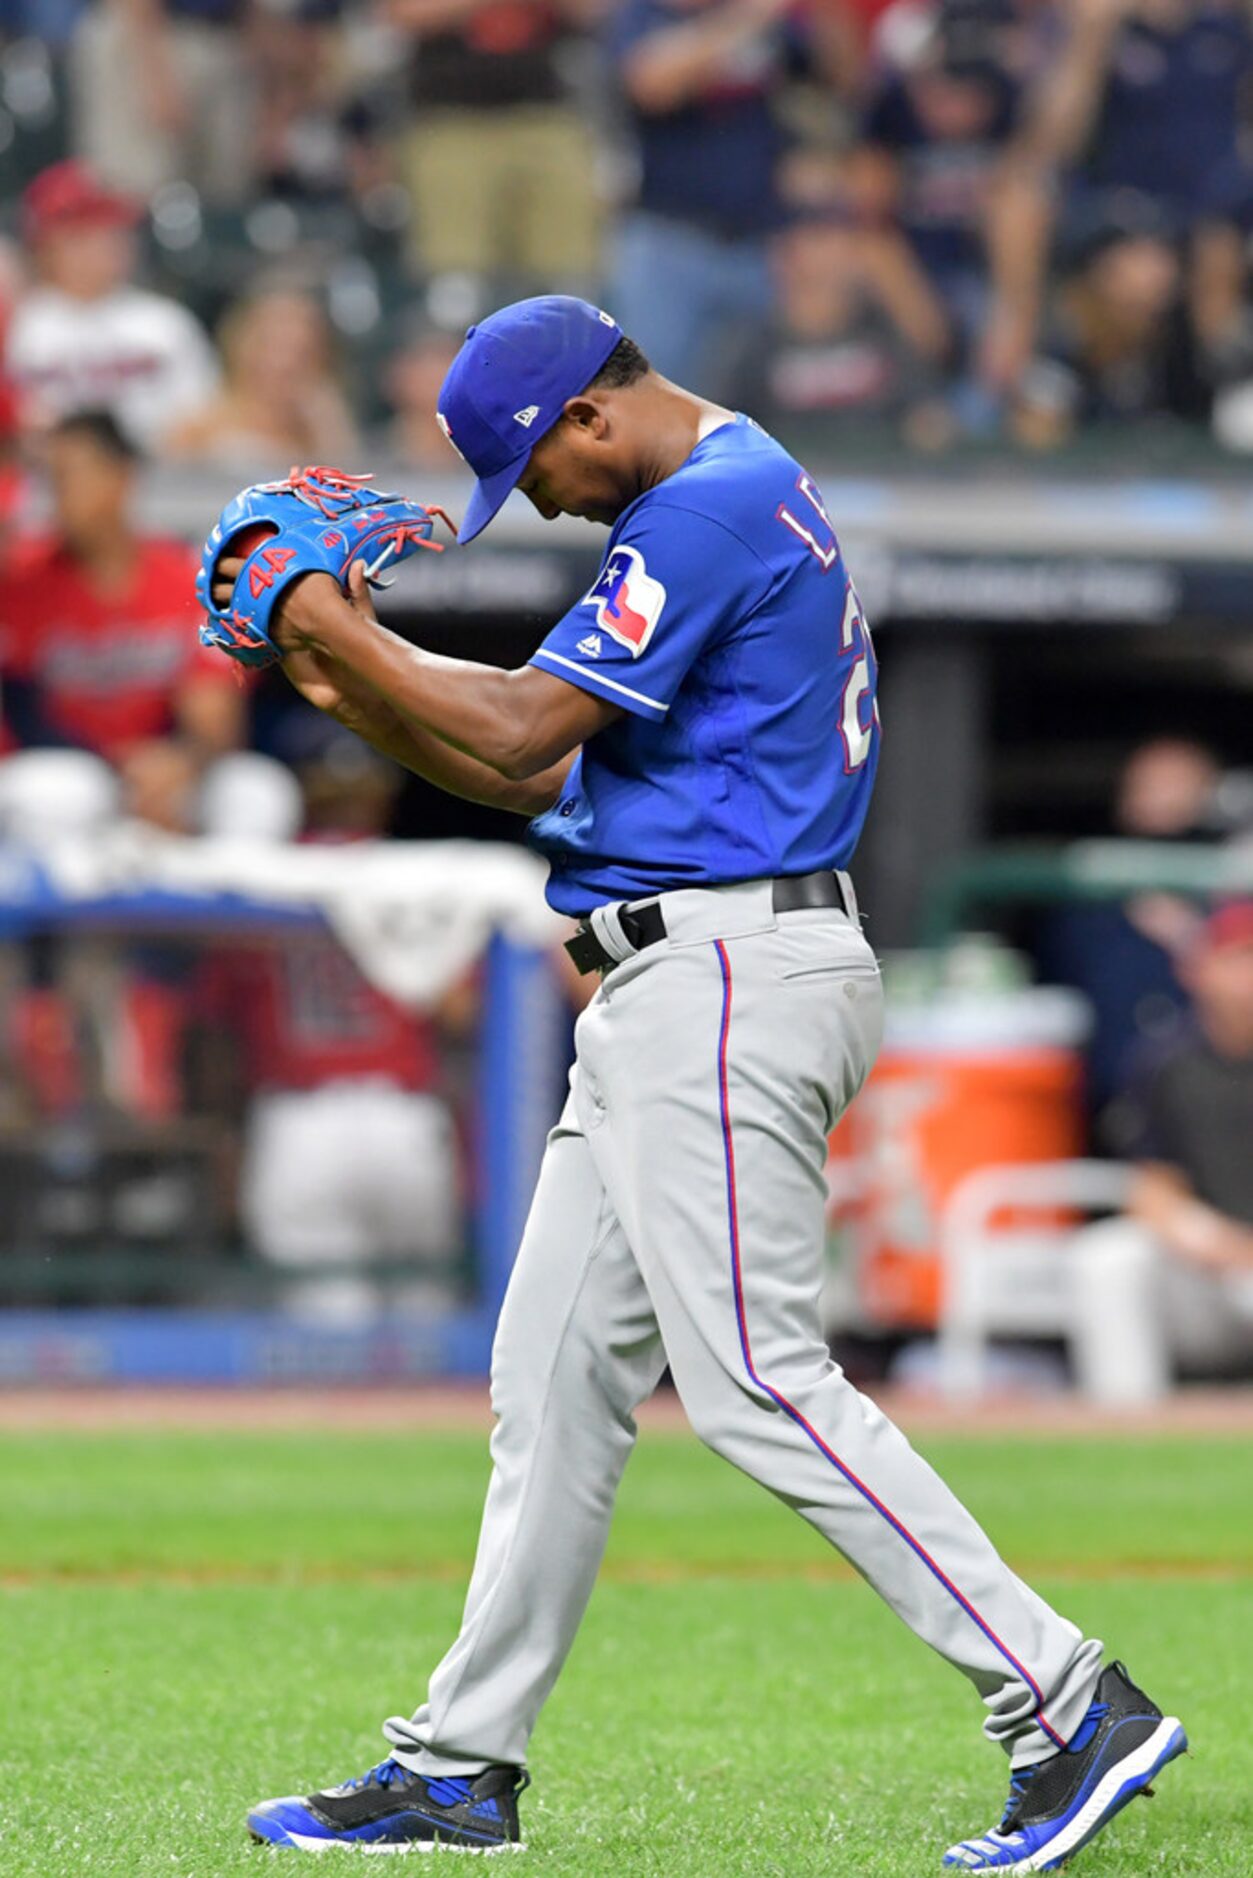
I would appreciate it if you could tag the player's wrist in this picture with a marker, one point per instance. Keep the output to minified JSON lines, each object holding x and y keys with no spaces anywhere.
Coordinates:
{"x":312,"y":615}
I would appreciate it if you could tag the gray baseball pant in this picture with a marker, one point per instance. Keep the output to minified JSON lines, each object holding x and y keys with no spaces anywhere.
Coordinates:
{"x":679,"y":1216}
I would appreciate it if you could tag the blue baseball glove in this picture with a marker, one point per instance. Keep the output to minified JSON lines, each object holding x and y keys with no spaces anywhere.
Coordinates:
{"x":318,"y":521}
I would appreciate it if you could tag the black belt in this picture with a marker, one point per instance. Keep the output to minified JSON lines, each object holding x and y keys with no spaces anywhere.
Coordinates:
{"x":645,"y":925}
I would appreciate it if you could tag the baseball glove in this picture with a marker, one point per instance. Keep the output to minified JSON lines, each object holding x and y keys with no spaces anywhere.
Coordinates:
{"x":318,"y":521}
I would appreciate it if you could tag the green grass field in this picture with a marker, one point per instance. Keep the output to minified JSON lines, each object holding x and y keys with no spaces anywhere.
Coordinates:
{"x":190,"y":1622}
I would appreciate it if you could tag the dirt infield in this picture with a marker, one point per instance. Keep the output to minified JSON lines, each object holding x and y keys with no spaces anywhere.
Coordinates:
{"x":451,"y":1406}
{"x":614,"y":1571}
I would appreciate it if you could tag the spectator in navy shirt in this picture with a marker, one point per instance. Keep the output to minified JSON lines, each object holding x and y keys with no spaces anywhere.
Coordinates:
{"x":1123,"y":954}
{"x":933,"y":140}
{"x":856,"y":329}
{"x":1146,"y":102}
{"x":690,"y":276}
{"x":934,"y":143}
{"x":1119,"y":343}
{"x":1148,"y":98}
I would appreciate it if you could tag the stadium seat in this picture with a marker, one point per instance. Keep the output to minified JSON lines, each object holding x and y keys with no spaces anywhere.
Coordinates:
{"x":1008,"y":1247}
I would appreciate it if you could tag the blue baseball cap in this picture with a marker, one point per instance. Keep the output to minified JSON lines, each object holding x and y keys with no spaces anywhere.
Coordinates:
{"x":508,"y":385}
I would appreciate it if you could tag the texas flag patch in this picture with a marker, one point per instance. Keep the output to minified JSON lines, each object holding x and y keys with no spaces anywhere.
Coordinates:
{"x":628,"y":600}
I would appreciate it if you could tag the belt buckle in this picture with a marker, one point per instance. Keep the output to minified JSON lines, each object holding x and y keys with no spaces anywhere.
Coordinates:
{"x":586,"y":952}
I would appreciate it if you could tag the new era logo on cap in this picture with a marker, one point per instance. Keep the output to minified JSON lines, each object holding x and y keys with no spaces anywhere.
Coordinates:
{"x":526,"y":418}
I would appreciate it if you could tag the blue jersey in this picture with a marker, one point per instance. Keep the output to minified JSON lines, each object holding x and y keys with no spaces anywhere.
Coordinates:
{"x":724,"y":624}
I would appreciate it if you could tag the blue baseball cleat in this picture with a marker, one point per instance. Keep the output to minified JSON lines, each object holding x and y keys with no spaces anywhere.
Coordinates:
{"x":1055,"y":1807}
{"x":391,"y":1809}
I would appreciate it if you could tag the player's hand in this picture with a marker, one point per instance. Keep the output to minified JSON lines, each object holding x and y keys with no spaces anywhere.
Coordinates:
{"x":225,"y":575}
{"x":307,"y":606}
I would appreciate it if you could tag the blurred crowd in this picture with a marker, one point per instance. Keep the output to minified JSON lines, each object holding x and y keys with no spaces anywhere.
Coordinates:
{"x":254,"y":229}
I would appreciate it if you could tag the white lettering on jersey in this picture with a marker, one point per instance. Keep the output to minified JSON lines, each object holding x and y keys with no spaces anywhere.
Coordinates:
{"x":827,"y":552}
{"x":590,"y":645}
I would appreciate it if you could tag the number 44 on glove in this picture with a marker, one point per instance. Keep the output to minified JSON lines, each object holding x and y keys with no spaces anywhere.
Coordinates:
{"x":317,"y":522}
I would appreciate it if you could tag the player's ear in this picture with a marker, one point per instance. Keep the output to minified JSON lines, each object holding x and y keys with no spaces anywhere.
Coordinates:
{"x":587,"y":415}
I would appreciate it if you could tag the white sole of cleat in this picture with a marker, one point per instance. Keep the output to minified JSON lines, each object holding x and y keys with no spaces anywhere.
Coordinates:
{"x":1106,"y":1800}
{"x":304,"y":1843}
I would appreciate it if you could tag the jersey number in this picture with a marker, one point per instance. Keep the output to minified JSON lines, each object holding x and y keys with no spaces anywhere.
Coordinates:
{"x":854,"y":630}
{"x":819,"y":538}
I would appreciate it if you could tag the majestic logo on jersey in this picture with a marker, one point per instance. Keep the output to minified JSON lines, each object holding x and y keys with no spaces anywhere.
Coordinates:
{"x":526,"y":417}
{"x":590,"y":645}
{"x":628,"y":600}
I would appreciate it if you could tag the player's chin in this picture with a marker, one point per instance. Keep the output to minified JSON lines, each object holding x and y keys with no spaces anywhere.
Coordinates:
{"x":586,"y":512}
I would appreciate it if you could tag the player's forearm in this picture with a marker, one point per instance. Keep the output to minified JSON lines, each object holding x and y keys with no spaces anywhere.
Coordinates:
{"x":437,"y":762}
{"x":474,"y":708}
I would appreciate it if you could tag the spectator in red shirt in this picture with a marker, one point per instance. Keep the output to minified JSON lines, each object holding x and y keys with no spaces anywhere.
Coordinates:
{"x":100,"y":621}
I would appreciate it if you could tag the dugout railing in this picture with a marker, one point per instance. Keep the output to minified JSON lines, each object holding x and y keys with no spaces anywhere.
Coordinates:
{"x":1007,"y":875}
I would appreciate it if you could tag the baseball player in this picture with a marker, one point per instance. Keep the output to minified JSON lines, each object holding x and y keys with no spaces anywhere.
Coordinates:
{"x":695,"y":742}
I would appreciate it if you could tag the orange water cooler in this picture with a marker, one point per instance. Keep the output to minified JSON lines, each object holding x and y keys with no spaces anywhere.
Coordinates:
{"x":963,"y":1081}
